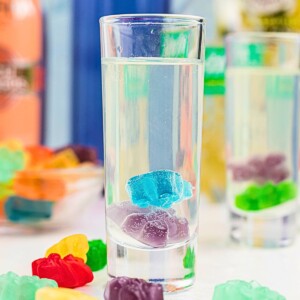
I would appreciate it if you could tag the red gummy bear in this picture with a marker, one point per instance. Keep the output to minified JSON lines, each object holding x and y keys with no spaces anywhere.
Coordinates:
{"x":69,"y":272}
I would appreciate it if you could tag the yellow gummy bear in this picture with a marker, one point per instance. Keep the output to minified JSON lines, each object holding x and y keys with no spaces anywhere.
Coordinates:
{"x":49,"y":293}
{"x":76,"y":244}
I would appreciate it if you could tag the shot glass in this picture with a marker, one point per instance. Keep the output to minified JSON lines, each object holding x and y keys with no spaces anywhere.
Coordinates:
{"x":262,"y":107}
{"x":152,"y":84}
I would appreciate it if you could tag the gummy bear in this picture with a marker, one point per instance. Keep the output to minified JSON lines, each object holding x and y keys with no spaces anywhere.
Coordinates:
{"x":158,"y":188}
{"x":6,"y":189}
{"x":68,"y":272}
{"x":14,"y":287}
{"x":242,"y":290}
{"x":97,"y":255}
{"x":83,"y":153}
{"x":133,"y":219}
{"x":76,"y":244}
{"x":189,"y":262}
{"x":124,"y":288}
{"x":11,"y":161}
{"x":62,"y":160}
{"x":38,"y":155}
{"x":258,"y":197}
{"x":48,"y":293}
{"x":18,"y":209}
{"x":38,"y":185}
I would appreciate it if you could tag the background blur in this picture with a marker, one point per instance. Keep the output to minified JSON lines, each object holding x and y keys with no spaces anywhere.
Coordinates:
{"x":58,"y":42}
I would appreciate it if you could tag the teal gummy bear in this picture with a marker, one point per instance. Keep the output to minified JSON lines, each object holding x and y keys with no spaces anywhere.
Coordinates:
{"x":158,"y":188}
{"x":22,"y":210}
{"x":97,"y":255}
{"x":11,"y":161}
{"x":15,"y":287}
{"x":242,"y":290}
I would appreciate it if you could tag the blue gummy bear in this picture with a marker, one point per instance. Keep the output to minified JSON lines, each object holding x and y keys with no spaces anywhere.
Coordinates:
{"x":158,"y":188}
{"x":22,"y":210}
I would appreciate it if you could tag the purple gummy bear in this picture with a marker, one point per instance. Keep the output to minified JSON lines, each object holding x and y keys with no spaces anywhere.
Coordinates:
{"x":118,"y":213}
{"x":124,"y":288}
{"x":241,"y":173}
{"x":155,"y":234}
{"x":134,"y":224}
{"x":178,"y":229}
{"x":273,"y":160}
{"x":278,"y":175}
{"x":257,"y":167}
{"x":156,"y":228}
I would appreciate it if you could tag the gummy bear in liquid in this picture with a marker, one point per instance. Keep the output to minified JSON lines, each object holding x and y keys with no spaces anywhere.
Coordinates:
{"x":153,"y":113}
{"x":262,"y":137}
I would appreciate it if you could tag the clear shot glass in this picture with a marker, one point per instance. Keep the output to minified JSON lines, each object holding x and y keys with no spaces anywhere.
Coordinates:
{"x":262,"y":107}
{"x":152,"y":84}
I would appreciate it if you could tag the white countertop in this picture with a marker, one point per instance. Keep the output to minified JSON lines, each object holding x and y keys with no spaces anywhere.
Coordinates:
{"x":219,"y":260}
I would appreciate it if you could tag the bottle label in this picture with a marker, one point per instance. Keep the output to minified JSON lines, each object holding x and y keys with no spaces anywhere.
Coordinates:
{"x":214,"y":75}
{"x":16,"y":80}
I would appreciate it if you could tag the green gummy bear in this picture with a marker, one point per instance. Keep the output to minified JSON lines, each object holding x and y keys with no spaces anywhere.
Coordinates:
{"x":242,"y":290}
{"x":287,"y":190}
{"x":6,"y":190}
{"x":11,"y":161}
{"x":189,"y":262}
{"x":259,"y":197}
{"x":15,"y":287}
{"x":97,"y":255}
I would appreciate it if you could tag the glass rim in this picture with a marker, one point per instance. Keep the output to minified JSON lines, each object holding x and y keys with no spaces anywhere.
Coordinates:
{"x":174,"y":19}
{"x":248,"y":35}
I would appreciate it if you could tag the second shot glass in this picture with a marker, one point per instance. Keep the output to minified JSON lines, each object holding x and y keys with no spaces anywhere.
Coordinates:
{"x":262,"y":103}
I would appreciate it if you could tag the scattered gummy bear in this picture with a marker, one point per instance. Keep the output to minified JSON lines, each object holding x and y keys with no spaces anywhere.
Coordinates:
{"x":36,"y":185}
{"x":68,"y":272}
{"x":242,"y":290}
{"x":11,"y":161}
{"x":83,"y":153}
{"x":62,"y":160}
{"x":38,"y":155}
{"x":76,"y":244}
{"x":18,"y":209}
{"x":257,"y":197}
{"x":61,"y":294}
{"x":189,"y":262}
{"x":158,"y":188}
{"x":14,"y":287}
{"x":97,"y":255}
{"x":124,"y":288}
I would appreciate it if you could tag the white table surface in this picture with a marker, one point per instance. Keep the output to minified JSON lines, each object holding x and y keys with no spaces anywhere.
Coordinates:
{"x":219,"y":260}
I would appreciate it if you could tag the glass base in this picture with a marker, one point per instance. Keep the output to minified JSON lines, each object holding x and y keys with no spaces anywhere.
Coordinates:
{"x":258,"y":231}
{"x":173,"y":267}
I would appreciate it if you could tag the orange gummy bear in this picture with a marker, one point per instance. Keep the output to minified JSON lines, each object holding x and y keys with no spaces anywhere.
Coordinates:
{"x":39,"y":186}
{"x":38,"y":155}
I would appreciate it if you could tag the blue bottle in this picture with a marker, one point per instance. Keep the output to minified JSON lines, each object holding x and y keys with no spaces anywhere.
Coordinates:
{"x":87,"y":104}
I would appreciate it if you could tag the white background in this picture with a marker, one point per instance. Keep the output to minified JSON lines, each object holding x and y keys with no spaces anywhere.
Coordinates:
{"x":218,"y":259}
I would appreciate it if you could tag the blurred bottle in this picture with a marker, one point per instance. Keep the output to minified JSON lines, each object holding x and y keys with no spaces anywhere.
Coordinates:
{"x":87,"y":108}
{"x":58,"y":18}
{"x":213,"y":177}
{"x":20,"y":76}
